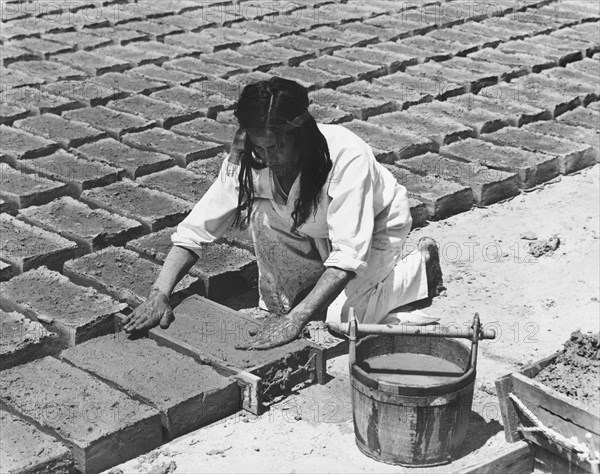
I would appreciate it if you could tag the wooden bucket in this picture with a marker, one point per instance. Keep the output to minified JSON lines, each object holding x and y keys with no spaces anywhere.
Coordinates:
{"x":412,"y":425}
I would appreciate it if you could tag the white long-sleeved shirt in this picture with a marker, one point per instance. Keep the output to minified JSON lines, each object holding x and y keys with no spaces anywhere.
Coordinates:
{"x":361,"y":204}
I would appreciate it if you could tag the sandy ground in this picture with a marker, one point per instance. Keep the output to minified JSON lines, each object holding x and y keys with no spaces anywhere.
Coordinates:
{"x":533,"y":304}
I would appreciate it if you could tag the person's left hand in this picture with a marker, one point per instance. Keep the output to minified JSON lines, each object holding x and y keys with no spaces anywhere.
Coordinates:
{"x":275,"y":333}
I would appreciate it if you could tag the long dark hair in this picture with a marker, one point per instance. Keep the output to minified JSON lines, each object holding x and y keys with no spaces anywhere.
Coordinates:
{"x":273,"y":104}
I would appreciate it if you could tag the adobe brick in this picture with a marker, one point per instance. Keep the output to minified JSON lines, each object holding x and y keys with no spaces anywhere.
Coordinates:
{"x":436,"y":50}
{"x":187,"y":394}
{"x":164,"y":113}
{"x":19,"y":145}
{"x":390,"y":145}
{"x":325,"y":114}
{"x":308,"y":45}
{"x":419,"y":54}
{"x":568,"y":45}
{"x":88,"y":93}
{"x":574,"y":38}
{"x":12,"y":54}
{"x":311,"y":78}
{"x":519,"y":63}
{"x":14,"y":30}
{"x":188,"y":22}
{"x":206,"y":129}
{"x":198,"y":43}
{"x":134,"y":162}
{"x":7,"y":271}
{"x":520,"y":29}
{"x":348,"y":39}
{"x":133,"y":55}
{"x":488,"y":185}
{"x":557,"y":56}
{"x":92,"y":229}
{"x":208,"y":168}
{"x":587,"y":66}
{"x":66,"y":133}
{"x":531,"y":168}
{"x":361,"y":107}
{"x":12,"y":79}
{"x":120,"y":35}
{"x":116,"y":124}
{"x":49,"y":71}
{"x":25,"y":448}
{"x":21,"y":189}
{"x":582,"y":117}
{"x":283,"y":56}
{"x":465,"y":79}
{"x":162,"y":75}
{"x":85,"y":41}
{"x":129,"y":82}
{"x":573,"y":133}
{"x":403,"y":27}
{"x":10,"y":113}
{"x":442,"y":198}
{"x":538,"y":91}
{"x":393,"y":61}
{"x":571,"y":83}
{"x":87,"y":18}
{"x":39,"y":100}
{"x":241,"y":62}
{"x":572,"y":156}
{"x":417,"y":89}
{"x":155,"y":31}
{"x":594,"y":106}
{"x":203,"y":70}
{"x":471,"y":42}
{"x":165,"y":50}
{"x":224,"y":270}
{"x":221,"y":36}
{"x":270,"y":26}
{"x":183,"y":149}
{"x":26,"y":247}
{"x":238,"y":238}
{"x":418,"y":212}
{"x":154,"y":209}
{"x":92,"y":63}
{"x":102,"y":425}
{"x":383,"y":34}
{"x":123,"y":274}
{"x":440,"y":130}
{"x":196,"y":99}
{"x":487,"y":29}
{"x":178,"y":182}
{"x":43,"y":49}
{"x":567,"y":16}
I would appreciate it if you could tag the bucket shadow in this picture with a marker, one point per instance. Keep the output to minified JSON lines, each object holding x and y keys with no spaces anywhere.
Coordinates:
{"x":479,"y":432}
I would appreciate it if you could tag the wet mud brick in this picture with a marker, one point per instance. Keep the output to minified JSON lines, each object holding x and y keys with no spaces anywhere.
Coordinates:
{"x":27,"y":449}
{"x":392,"y":61}
{"x":325,"y":114}
{"x":206,"y":129}
{"x":187,"y":394}
{"x":66,"y":133}
{"x":20,"y":189}
{"x":88,"y":93}
{"x":587,"y":66}
{"x":361,"y":107}
{"x":203,"y":70}
{"x":284,"y":56}
{"x":309,"y":77}
{"x":39,"y":100}
{"x":357,"y":70}
{"x":442,"y":198}
{"x":209,"y":332}
{"x":572,"y":155}
{"x":49,"y":71}
{"x":77,"y":173}
{"x":571,"y":83}
{"x":390,"y":145}
{"x":582,"y":117}
{"x":154,"y":209}
{"x":528,"y":46}
{"x":518,"y":63}
{"x":102,"y":426}
{"x":6,"y":271}
{"x":128,"y":83}
{"x":208,"y":168}
{"x":179,"y":182}
{"x":123,"y":274}
{"x":183,"y":149}
{"x":440,"y":130}
{"x":19,"y":145}
{"x":85,"y":41}
{"x":224,"y":270}
{"x":242,"y":62}
{"x":418,"y":89}
{"x":488,"y":185}
{"x":165,"y":114}
{"x":573,"y":133}
{"x":133,"y":55}
{"x":195,"y":99}
{"x":26,"y":247}
{"x":43,"y":49}
{"x":166,"y":76}
{"x":531,"y":168}
{"x":23,"y":340}
{"x":10,"y":113}
{"x":135,"y":162}
{"x":73,"y":312}
{"x":92,"y":229}
{"x":91,"y":63}
{"x":115,"y":123}
{"x":307,"y":45}
{"x":400,"y":98}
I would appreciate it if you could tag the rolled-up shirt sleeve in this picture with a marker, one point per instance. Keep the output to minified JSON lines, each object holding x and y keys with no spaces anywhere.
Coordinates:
{"x":213,"y":214}
{"x":350,"y":215}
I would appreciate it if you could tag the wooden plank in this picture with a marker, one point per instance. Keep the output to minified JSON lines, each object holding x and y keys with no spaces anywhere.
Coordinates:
{"x":507,"y":409}
{"x":517,"y":458}
{"x":548,"y":461}
{"x":533,"y":369}
{"x":251,"y":392}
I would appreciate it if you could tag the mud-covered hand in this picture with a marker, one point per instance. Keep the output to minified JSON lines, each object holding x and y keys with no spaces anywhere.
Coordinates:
{"x":152,"y":312}
{"x":275,"y":333}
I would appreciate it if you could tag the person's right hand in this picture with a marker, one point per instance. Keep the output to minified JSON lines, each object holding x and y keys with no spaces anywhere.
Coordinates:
{"x":152,"y":312}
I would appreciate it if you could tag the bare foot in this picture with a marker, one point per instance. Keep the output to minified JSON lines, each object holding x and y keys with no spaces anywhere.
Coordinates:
{"x":429,"y":248}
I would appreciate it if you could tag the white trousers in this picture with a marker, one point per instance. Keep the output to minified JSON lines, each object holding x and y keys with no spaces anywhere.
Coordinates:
{"x":289,"y":265}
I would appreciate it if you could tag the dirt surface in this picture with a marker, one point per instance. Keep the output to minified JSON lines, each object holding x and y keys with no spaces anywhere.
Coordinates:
{"x":576,"y":371}
{"x":533,"y":304}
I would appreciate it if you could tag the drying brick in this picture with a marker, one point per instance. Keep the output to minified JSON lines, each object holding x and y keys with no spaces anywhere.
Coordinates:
{"x":91,"y":63}
{"x":73,"y":312}
{"x":164,"y":113}
{"x":197,"y":100}
{"x":23,"y":340}
{"x":587,"y":66}
{"x":442,"y":198}
{"x":361,"y":107}
{"x":531,"y":168}
{"x":390,"y":145}
{"x":165,"y":50}
{"x":418,"y":89}
{"x":392,"y":61}
{"x":92,"y":229}
{"x":83,"y":40}
{"x":116,"y":124}
{"x":285,"y":56}
{"x":102,"y":425}
{"x":129,"y":83}
{"x":582,"y":117}
{"x":168,"y":76}
{"x":14,"y":79}
{"x":187,"y":394}
{"x":434,"y":49}
{"x":124,"y":275}
{"x":155,"y":31}
{"x":325,"y":114}
{"x":10,"y":113}
{"x":241,"y":62}
{"x":21,"y":189}
{"x":6,"y":271}
{"x":49,"y":71}
{"x":200,"y":68}
{"x":238,"y":238}
{"x":363,"y":28}
{"x":309,"y":77}
{"x":78,"y":174}
{"x":134,"y":162}
{"x":308,"y":45}
{"x":12,"y":54}
{"x":572,"y":156}
{"x":154,"y":209}
{"x":440,"y":130}
{"x":470,"y":41}
{"x":209,"y":168}
{"x":66,"y":133}
{"x":120,"y":36}
{"x":571,"y":83}
{"x":465,"y":79}
{"x":225,"y":270}
{"x":519,"y":63}
{"x":39,"y":100}
{"x":183,"y":149}
{"x":550,"y":53}
{"x":178,"y":182}
{"x":206,"y":129}
{"x":348,"y":39}
{"x":343,"y":67}
{"x":488,"y":185}
{"x":43,"y":49}
{"x":27,"y":449}
{"x":88,"y":93}
{"x":133,"y":55}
